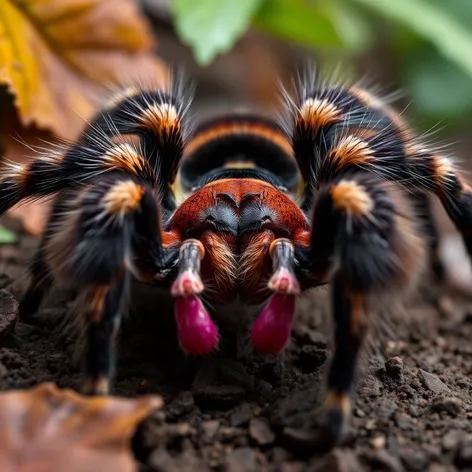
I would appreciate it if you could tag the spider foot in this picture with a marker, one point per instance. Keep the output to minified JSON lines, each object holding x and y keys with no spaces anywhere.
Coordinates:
{"x":96,"y":386}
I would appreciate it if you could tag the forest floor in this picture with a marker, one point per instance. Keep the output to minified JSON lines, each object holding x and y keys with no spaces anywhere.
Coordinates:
{"x":412,"y":408}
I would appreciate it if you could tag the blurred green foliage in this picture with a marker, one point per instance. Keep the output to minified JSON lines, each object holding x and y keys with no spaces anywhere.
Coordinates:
{"x":213,"y":26}
{"x":7,"y":236}
{"x":428,"y":43}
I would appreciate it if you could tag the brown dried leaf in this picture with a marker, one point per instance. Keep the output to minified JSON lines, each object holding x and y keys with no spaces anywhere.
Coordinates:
{"x":56,"y":56}
{"x":48,"y":429}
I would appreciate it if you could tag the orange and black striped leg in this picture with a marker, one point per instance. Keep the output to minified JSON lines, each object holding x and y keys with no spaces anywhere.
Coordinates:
{"x":100,"y":237}
{"x":349,"y":313}
{"x":437,"y":175}
{"x":105,"y":304}
{"x":159,"y":118}
{"x":365,"y":228}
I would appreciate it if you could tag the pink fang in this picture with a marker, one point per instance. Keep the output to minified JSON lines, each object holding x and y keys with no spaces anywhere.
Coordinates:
{"x":271,"y":331}
{"x":197,"y":333}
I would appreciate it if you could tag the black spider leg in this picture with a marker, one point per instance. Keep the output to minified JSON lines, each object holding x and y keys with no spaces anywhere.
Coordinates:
{"x":414,"y":166}
{"x":426,"y":215}
{"x":151,"y":261}
{"x":103,"y":319}
{"x":160,"y":119}
{"x":338,"y":130}
{"x":107,"y":232}
{"x":41,"y":277}
{"x":319,"y":108}
{"x":40,"y":284}
{"x":365,"y":238}
{"x":81,"y":164}
{"x":349,"y":315}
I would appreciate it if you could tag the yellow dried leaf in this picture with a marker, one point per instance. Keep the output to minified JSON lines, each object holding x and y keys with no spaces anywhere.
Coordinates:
{"x":57,"y":56}
{"x":48,"y":429}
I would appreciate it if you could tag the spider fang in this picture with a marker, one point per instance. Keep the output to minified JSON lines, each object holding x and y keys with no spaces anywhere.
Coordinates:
{"x":188,"y":281}
{"x":283,"y":280}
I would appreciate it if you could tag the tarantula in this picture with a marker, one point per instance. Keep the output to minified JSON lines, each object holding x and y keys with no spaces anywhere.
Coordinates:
{"x":239,"y":208}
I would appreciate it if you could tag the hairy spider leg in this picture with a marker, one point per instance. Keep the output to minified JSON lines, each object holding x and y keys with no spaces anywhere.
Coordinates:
{"x":108,"y":218}
{"x":363,"y":231}
{"x":101,"y":151}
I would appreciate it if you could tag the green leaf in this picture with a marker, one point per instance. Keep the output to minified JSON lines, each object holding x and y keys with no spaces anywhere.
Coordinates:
{"x":441,"y":91}
{"x":211,"y":27}
{"x":433,"y":23}
{"x":461,"y":10}
{"x":7,"y":236}
{"x":301,"y":21}
{"x":352,"y":27}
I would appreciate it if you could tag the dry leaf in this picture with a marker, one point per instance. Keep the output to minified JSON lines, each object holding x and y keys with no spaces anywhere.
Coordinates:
{"x":48,"y":429}
{"x":56,"y":56}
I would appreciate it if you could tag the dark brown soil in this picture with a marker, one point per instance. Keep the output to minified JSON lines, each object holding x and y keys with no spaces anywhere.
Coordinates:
{"x":412,"y":409}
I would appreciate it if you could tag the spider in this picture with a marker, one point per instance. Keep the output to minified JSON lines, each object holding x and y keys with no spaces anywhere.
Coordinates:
{"x":239,"y":208}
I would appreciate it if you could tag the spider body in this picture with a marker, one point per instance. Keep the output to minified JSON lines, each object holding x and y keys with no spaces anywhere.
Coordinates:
{"x":239,"y":209}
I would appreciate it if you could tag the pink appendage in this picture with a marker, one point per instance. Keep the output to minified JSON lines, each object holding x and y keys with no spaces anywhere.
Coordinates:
{"x":197,"y":333}
{"x":271,"y":331}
